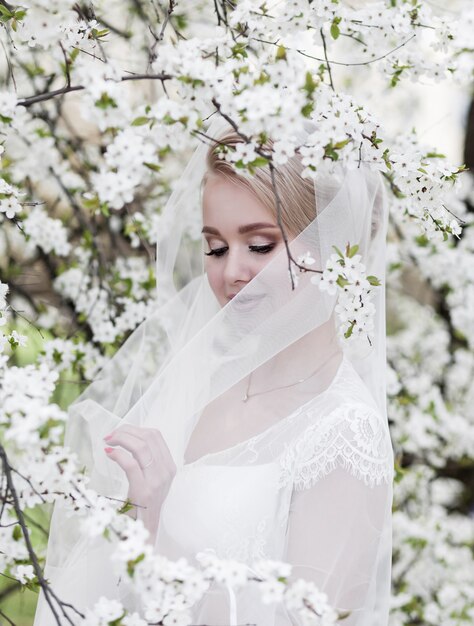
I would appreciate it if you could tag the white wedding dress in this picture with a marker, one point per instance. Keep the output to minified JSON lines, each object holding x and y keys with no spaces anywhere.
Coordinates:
{"x":313,"y":488}
{"x":318,"y":498}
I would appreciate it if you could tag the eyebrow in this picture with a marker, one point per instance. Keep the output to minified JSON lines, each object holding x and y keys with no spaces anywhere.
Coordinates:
{"x":247,"y":228}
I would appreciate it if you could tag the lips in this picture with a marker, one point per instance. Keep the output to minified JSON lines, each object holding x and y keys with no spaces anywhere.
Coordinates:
{"x":245,"y":301}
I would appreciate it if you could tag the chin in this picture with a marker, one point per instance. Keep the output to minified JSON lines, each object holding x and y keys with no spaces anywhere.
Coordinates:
{"x":222,"y":300}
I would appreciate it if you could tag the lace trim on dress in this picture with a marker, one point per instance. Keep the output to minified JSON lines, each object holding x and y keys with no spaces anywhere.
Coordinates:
{"x":353,"y":437}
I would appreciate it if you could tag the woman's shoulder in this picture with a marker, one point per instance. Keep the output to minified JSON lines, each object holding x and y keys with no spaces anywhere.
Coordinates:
{"x":348,"y":385}
{"x":344,"y":429}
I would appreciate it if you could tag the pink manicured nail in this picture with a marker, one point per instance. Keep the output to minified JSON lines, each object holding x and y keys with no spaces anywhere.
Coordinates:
{"x":108,"y":450}
{"x":107,"y":437}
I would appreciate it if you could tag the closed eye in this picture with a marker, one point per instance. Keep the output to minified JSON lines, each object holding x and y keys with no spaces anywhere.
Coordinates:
{"x":259,"y":249}
{"x":262,"y":249}
{"x":216,"y":251}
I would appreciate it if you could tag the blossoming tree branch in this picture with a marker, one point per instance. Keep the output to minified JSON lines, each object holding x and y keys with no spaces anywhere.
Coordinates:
{"x":100,"y":104}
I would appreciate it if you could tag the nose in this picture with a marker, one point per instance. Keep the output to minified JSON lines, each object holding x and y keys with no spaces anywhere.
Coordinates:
{"x":237,"y":268}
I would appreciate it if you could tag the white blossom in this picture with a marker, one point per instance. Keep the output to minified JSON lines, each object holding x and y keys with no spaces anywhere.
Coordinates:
{"x":24,"y":573}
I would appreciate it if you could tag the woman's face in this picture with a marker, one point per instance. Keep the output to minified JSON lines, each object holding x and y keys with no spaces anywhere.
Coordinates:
{"x":242,"y":236}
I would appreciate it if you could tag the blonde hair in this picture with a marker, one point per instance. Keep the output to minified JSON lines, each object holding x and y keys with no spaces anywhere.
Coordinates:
{"x":298,"y":204}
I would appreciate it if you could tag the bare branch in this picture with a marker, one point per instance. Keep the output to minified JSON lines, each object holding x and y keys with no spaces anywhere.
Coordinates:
{"x":326,"y":58}
{"x":49,"y":594}
{"x":26,"y":102}
{"x":384,"y":56}
{"x":5,"y":616}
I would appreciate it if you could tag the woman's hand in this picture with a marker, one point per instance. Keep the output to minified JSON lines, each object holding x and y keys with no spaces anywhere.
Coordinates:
{"x":145,"y":458}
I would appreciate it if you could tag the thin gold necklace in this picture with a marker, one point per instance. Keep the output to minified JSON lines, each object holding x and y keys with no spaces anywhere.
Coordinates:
{"x":302,"y":380}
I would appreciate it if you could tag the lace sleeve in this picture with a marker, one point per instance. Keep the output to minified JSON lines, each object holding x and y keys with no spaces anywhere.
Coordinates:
{"x":353,"y":437}
{"x":339,"y":527}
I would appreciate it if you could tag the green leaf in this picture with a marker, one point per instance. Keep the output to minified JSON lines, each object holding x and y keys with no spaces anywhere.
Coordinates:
{"x":338,"y":251}
{"x":435,"y":155}
{"x":341,"y":281}
{"x":352,"y":251}
{"x":281,"y":53}
{"x":33,"y":585}
{"x":128,"y":283}
{"x":251,"y":167}
{"x":386,"y":158}
{"x":91,"y":203}
{"x":335,"y":30}
{"x":340,"y":144}
{"x":399,"y":472}
{"x":131,"y":564}
{"x":260,"y":162}
{"x":57,"y":356}
{"x":262,"y":79}
{"x":127,"y":506}
{"x":422,"y":241}
{"x":239,"y":50}
{"x":88,"y":238}
{"x":140,"y":121}
{"x":374,"y":281}
{"x":99,"y":33}
{"x":399,"y":69}
{"x":105,"y":101}
{"x":310,"y":84}
{"x":153,"y":166}
{"x":188,"y":80}
{"x":74,"y":54}
{"x":330,"y":153}
{"x":6,"y":12}
{"x":348,"y":332}
{"x":307,"y":109}
{"x":417,"y":542}
{"x":17,"y":532}
{"x":181,"y":20}
{"x":149,"y":284}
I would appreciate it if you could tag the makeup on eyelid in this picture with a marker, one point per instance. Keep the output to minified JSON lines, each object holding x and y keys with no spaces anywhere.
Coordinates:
{"x":257,"y":248}
{"x":263,"y":241}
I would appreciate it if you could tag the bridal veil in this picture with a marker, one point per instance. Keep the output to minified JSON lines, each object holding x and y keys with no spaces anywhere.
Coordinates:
{"x":313,"y":487}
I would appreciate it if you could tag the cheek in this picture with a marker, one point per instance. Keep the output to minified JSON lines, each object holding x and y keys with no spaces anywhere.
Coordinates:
{"x":214,"y":276}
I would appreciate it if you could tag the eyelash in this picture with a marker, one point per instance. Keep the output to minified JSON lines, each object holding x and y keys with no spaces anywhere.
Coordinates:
{"x":218,"y":252}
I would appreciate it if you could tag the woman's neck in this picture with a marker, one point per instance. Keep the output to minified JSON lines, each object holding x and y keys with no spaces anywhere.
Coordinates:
{"x":300,"y":358}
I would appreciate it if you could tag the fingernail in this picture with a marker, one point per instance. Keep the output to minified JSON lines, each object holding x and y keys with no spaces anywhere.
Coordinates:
{"x":107,"y":437}
{"x":108,"y":450}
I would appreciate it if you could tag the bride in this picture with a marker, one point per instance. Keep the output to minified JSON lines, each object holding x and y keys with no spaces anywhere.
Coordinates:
{"x":237,"y":419}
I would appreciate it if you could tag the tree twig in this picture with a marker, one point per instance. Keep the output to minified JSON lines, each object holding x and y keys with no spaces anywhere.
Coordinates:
{"x":47,"y":590}
{"x":26,"y":102}
{"x":326,"y":58}
{"x":354,"y":64}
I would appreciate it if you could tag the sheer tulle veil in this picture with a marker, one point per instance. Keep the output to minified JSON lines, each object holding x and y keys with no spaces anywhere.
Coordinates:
{"x":191,"y":350}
